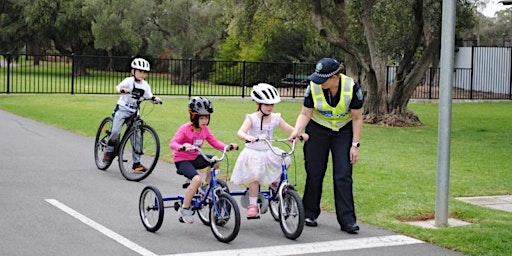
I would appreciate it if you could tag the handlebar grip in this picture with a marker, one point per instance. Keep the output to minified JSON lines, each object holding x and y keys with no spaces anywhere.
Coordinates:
{"x":301,"y":138}
{"x":182,"y":148}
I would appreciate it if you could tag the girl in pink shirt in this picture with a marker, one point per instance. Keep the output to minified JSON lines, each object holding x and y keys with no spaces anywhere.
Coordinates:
{"x":187,"y":162}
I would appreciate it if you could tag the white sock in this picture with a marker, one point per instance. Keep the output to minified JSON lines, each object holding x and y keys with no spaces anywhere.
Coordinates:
{"x":253,"y":200}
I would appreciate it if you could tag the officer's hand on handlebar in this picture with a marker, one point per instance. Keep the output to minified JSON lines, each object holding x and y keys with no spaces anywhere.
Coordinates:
{"x":302,"y":137}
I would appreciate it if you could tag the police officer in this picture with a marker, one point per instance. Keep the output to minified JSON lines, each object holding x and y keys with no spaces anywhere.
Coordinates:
{"x":332,"y":116}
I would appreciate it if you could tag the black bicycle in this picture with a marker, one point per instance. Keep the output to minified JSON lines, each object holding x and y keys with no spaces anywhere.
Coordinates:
{"x":144,"y":141}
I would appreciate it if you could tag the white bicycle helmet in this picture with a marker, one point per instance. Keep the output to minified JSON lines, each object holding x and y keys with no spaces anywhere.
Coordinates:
{"x":140,"y":64}
{"x":265,"y":94}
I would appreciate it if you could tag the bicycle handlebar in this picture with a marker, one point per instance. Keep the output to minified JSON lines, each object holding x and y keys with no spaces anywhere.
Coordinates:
{"x":269,"y":144}
{"x":213,"y":159}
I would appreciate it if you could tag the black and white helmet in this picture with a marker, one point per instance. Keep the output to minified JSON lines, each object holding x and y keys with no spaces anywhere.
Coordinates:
{"x":140,"y":64}
{"x":200,"y":105}
{"x":265,"y":94}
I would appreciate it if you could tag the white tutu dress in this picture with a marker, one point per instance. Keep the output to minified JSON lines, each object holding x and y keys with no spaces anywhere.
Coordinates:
{"x":257,"y":162}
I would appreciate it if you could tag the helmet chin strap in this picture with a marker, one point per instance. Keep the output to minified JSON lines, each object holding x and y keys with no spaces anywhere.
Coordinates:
{"x":263,"y":115}
{"x":134,"y":76}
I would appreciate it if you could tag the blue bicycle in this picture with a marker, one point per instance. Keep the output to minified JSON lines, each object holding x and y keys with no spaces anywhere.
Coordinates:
{"x":215,"y":206}
{"x":284,"y":202}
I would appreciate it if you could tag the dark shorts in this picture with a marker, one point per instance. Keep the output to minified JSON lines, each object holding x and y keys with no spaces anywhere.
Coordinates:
{"x":189,"y":168}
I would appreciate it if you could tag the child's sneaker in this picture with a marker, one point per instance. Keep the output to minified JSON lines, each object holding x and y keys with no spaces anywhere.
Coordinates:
{"x":186,"y":216}
{"x":139,"y":167}
{"x":107,"y":157}
{"x":253,"y":212}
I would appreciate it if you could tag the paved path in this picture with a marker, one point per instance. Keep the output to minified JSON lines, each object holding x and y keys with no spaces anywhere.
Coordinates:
{"x":56,"y":202}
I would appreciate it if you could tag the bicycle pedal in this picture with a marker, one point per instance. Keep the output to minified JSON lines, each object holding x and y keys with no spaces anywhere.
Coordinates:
{"x":181,"y":219}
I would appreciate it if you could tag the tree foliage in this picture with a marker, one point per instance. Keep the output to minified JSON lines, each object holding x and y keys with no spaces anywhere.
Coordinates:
{"x":368,"y":35}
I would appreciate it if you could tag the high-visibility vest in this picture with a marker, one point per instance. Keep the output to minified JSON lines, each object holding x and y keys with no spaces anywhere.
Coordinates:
{"x":333,"y":118}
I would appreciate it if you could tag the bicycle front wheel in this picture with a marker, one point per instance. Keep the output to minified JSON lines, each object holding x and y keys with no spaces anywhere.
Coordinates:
{"x":100,"y":143}
{"x":274,"y":208}
{"x":204,"y":211}
{"x":151,"y":208}
{"x":139,"y":145}
{"x":291,"y":214}
{"x":225,"y":218}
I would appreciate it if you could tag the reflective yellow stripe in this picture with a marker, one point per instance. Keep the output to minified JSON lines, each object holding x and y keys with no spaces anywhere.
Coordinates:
{"x":333,"y":118}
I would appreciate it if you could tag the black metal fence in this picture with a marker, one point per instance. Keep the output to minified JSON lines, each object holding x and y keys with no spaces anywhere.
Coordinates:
{"x":75,"y":74}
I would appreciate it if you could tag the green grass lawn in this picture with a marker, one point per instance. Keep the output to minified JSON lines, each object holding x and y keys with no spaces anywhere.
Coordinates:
{"x":394,"y":180}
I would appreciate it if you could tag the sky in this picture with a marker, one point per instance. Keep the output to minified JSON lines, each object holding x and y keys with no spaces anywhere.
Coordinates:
{"x":493,"y":6}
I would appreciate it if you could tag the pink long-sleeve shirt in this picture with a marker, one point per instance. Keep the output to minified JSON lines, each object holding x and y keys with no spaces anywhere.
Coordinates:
{"x":186,"y":134}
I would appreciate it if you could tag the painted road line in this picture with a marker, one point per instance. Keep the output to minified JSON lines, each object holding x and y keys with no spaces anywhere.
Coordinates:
{"x":102,"y":229}
{"x":314,"y":248}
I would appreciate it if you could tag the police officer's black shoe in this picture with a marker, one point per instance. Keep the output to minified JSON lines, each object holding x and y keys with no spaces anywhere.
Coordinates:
{"x":351,"y":228}
{"x":310,"y":222}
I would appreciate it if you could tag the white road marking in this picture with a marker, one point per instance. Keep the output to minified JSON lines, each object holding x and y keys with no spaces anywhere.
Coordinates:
{"x":314,"y":248}
{"x":102,"y":229}
{"x":280,"y":250}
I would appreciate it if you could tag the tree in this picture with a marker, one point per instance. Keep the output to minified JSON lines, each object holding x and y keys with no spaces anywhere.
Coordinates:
{"x":63,"y":22}
{"x":404,"y":26}
{"x":368,"y":35}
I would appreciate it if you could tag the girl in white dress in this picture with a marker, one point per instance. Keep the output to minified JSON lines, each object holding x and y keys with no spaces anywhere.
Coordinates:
{"x":257,"y":164}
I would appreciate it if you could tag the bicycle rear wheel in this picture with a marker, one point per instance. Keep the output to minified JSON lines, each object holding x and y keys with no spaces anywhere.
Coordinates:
{"x":225,"y":218}
{"x":149,"y":152}
{"x":291,"y":214}
{"x":100,"y":143}
{"x":151,"y":208}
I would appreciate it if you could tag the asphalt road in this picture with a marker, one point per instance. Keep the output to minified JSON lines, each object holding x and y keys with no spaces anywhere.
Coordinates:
{"x":54,"y":201}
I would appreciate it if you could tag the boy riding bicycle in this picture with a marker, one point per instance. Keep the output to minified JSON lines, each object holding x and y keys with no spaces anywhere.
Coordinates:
{"x":132,"y":90}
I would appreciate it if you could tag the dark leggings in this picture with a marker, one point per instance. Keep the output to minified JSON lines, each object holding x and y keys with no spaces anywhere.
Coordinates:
{"x":316,"y":154}
{"x":189,"y":168}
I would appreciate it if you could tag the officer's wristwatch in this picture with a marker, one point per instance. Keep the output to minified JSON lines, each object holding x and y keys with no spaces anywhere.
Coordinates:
{"x":355,"y":144}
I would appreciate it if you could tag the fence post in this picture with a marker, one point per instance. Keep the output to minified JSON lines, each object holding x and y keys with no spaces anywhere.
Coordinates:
{"x":8,"y":56}
{"x":510,"y":78}
{"x":243,"y":79}
{"x":294,"y":76}
{"x":72,"y":73}
{"x":189,"y":77}
{"x":387,"y":78}
{"x":472,"y":73}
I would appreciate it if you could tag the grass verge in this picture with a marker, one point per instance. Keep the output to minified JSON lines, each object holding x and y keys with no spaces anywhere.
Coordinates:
{"x":395,"y":178}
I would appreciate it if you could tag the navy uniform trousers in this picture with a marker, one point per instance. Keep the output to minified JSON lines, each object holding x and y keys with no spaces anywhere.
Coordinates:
{"x":321,"y":141}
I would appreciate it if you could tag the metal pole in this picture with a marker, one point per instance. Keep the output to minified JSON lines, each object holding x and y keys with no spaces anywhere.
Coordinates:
{"x":445,"y":109}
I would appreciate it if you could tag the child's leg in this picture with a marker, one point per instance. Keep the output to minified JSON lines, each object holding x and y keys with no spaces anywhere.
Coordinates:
{"x":187,"y":169}
{"x":254,"y":189}
{"x":253,"y":208}
{"x":117,"y":124}
{"x":191,"y":191}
